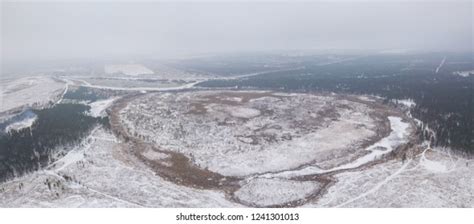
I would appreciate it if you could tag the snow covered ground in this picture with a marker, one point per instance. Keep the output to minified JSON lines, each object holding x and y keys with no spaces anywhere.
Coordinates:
{"x":29,"y":91}
{"x":409,"y":103}
{"x":271,"y":141}
{"x":128,"y":69}
{"x":263,"y":192}
{"x":104,"y":172}
{"x":261,"y":133}
{"x":22,"y":124}
{"x":99,"y":174}
{"x":137,"y":77}
{"x":464,"y":73}
{"x":397,"y":137}
{"x":98,"y":107}
{"x":431,"y":179}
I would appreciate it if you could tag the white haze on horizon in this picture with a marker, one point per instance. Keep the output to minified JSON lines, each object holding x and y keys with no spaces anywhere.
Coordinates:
{"x":58,"y":30}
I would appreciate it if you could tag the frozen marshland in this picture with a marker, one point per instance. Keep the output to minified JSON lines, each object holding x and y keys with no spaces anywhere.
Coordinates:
{"x":247,"y":148}
{"x":237,"y":104}
{"x":36,"y":91}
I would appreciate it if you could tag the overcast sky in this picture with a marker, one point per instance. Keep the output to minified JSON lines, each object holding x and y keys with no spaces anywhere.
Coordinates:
{"x":91,"y":29}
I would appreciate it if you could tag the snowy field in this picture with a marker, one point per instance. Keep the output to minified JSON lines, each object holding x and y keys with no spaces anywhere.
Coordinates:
{"x":246,"y":133}
{"x":99,"y":173}
{"x":159,"y":81}
{"x":128,"y":69}
{"x":263,"y":192}
{"x":106,"y":171}
{"x":98,"y":107}
{"x":154,"y":71}
{"x":128,"y":83}
{"x":433,"y":178}
{"x":398,"y":136}
{"x":30,"y":91}
{"x":464,"y":74}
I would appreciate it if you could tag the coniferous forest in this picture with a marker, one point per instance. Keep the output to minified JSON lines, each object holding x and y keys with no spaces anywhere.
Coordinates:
{"x":31,"y":148}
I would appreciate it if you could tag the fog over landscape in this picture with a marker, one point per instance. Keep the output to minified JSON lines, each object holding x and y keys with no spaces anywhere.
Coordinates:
{"x":49,"y":30}
{"x":237,"y":104}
